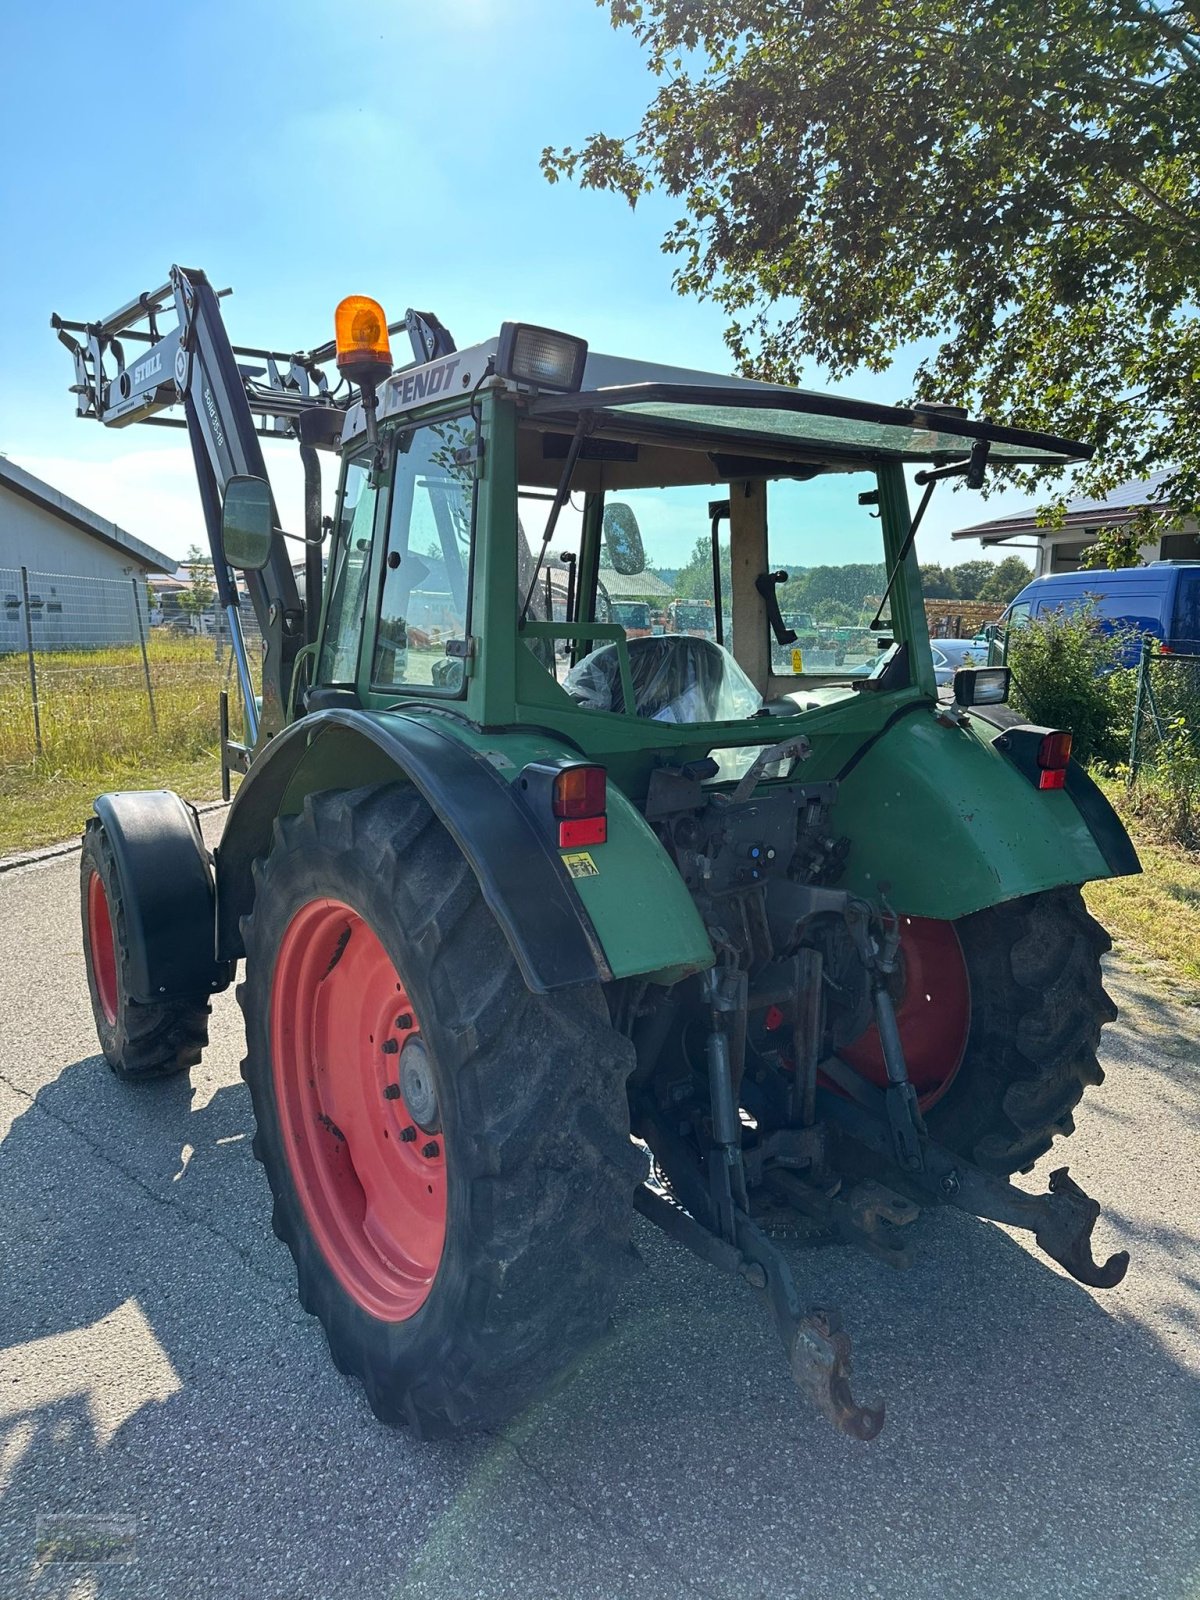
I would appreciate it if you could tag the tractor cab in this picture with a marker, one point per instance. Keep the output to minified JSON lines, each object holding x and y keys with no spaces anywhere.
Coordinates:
{"x":489,"y":518}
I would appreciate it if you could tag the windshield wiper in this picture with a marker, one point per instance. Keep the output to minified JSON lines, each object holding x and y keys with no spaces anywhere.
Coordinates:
{"x":561,"y":496}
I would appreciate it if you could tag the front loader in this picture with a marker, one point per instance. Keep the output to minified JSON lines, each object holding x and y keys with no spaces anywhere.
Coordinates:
{"x":543,"y":922}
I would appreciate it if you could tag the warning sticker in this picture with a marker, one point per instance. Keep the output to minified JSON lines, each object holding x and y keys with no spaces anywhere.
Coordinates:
{"x":798,"y":662}
{"x":581,"y":865}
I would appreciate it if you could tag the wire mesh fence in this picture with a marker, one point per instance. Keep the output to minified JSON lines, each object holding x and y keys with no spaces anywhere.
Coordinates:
{"x":94,"y":666}
{"x":1166,"y":711}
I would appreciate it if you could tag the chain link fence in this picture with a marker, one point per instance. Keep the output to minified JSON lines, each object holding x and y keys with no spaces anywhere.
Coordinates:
{"x":95,"y":667}
{"x":1166,"y":710}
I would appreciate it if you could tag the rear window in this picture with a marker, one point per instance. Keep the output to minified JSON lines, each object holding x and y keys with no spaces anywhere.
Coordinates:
{"x":1185,"y":629}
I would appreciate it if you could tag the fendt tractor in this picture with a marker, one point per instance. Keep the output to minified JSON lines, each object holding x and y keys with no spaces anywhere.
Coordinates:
{"x":542,"y":922}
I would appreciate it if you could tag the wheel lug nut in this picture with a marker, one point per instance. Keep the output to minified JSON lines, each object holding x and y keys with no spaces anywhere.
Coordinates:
{"x":431,"y":1149}
{"x":409,"y":1133}
{"x":392,"y":1092}
{"x":404,"y":1021}
{"x":390,"y":1047}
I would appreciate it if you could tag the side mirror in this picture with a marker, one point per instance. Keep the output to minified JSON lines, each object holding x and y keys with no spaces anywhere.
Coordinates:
{"x":623,"y":539}
{"x":247,"y":524}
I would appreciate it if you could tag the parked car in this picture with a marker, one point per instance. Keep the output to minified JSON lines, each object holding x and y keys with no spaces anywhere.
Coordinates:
{"x":950,"y":654}
{"x":1162,"y":599}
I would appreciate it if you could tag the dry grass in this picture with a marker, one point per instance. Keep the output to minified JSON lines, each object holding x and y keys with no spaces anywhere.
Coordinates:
{"x":1155,"y":916}
{"x":44,"y":810}
{"x":97,"y":732}
{"x":95,"y":712}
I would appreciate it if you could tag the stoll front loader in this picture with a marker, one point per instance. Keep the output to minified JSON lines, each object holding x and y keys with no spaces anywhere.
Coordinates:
{"x":541,"y":925}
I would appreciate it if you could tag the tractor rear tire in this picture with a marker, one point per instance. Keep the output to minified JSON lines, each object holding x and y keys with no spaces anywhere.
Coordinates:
{"x":139,"y":1041}
{"x":449,"y":1154}
{"x":1038,"y":1005}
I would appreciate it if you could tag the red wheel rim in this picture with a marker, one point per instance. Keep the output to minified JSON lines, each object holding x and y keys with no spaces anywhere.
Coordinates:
{"x":372,"y":1182}
{"x":103,"y":947}
{"x":934,"y":1014}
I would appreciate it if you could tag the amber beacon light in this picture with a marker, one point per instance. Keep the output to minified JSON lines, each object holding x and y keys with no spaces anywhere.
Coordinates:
{"x":361,"y":338}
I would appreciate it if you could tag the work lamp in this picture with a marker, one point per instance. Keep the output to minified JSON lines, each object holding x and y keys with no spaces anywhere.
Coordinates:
{"x":541,"y":357}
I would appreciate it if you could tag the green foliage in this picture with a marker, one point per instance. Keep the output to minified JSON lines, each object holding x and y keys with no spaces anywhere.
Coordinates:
{"x":1164,"y":798}
{"x":1017,"y":181}
{"x":969,"y":577}
{"x":1067,"y":674}
{"x":1118,"y":545}
{"x":201,"y":590}
{"x":694,"y":581}
{"x":1005,"y":580}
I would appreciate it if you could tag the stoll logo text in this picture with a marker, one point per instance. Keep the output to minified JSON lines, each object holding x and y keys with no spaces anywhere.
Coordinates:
{"x":147,"y":369}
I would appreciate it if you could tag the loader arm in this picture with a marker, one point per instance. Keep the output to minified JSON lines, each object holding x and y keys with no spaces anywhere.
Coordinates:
{"x":125,"y":373}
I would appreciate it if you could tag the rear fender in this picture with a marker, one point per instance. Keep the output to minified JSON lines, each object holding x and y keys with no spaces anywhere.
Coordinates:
{"x":561,"y":930}
{"x":942,"y":823}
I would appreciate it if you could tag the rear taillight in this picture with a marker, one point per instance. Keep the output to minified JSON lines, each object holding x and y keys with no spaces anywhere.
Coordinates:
{"x":579,"y":799}
{"x":1053,"y":758}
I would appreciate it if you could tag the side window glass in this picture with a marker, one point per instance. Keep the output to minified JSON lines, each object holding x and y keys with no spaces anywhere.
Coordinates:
{"x":426,"y":580}
{"x":831,"y":546}
{"x":352,"y":560}
{"x":1018,"y":616}
{"x":1185,"y":632}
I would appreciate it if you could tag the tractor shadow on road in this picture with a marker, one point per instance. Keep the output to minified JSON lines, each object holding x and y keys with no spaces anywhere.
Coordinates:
{"x":1041,"y":1441}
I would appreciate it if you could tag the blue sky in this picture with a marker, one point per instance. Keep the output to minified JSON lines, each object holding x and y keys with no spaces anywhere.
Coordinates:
{"x":303,"y":151}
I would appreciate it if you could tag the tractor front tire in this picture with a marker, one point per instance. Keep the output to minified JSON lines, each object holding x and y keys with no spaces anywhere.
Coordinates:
{"x":139,"y":1041}
{"x":1037,"y":1007}
{"x":449,"y":1154}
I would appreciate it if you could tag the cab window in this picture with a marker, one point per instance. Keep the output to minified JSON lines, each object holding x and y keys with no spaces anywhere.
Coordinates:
{"x":831,"y":547}
{"x":426,"y":568}
{"x":352,"y":560}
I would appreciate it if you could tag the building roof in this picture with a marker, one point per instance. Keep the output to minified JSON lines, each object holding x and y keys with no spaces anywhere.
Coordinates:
{"x":59,"y":505}
{"x":1079,"y":513}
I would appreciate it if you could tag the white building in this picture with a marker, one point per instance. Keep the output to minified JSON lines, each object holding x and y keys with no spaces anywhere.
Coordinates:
{"x":1060,"y":549}
{"x":67,"y":576}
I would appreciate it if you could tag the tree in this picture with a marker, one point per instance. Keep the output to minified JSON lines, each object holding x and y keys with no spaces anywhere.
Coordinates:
{"x":969,"y":578}
{"x":201,"y":591}
{"x":695,"y":580}
{"x":1006,"y":580}
{"x":1017,"y":180}
{"x":938,"y":582}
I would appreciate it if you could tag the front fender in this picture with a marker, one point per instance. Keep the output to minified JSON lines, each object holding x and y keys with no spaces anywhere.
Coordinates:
{"x":942,"y":824}
{"x":633,"y":916}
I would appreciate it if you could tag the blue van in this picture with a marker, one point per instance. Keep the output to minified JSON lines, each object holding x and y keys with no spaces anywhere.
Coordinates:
{"x":1162,"y":598}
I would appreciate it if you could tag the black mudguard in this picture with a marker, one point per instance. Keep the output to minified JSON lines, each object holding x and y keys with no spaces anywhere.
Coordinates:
{"x":519,"y":871}
{"x":167,"y":894}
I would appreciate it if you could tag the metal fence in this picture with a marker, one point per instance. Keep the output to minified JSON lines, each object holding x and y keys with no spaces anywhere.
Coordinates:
{"x":1166,"y":708}
{"x":89,"y":664}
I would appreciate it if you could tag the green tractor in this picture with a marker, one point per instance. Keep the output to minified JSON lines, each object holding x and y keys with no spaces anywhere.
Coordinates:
{"x":542,"y":925}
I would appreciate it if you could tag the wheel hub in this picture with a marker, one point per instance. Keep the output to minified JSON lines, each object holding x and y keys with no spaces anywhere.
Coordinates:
{"x":416,"y":1086}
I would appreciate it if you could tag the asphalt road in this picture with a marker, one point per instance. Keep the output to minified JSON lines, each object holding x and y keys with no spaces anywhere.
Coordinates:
{"x":156,"y":1369}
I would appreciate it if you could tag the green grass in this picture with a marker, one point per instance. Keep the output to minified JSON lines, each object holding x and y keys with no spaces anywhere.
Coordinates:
{"x":1154,"y":917}
{"x":97,"y":732}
